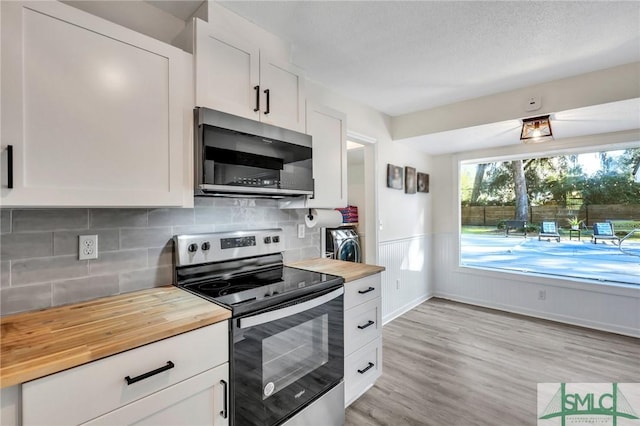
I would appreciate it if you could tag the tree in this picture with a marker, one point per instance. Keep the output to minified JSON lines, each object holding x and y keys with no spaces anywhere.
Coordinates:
{"x":477,"y":183}
{"x":520,"y":187}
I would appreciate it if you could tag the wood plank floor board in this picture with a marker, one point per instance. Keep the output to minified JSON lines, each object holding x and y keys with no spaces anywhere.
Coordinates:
{"x":448,"y":363}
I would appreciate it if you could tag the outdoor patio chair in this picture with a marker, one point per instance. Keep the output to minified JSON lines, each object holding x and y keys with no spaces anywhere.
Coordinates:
{"x":549,"y":230}
{"x":604,"y":231}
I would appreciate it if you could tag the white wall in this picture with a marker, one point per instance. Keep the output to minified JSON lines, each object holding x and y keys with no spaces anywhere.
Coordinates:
{"x":404,"y":222}
{"x":605,"y":307}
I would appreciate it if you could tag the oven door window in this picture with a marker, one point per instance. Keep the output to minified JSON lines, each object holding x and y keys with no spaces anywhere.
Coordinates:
{"x":281,"y":365}
{"x":293,"y":354}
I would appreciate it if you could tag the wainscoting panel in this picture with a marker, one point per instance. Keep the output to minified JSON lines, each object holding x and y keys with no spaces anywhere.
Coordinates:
{"x":406,"y":279}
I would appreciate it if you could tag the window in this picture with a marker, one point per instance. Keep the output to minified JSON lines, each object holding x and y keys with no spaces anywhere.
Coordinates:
{"x":504,"y":205}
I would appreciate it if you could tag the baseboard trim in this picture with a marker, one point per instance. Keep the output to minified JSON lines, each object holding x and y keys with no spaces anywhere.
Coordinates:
{"x":565,"y":319}
{"x":404,"y":309}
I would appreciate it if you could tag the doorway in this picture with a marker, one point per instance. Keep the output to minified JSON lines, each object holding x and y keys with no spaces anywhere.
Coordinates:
{"x":362,"y":191}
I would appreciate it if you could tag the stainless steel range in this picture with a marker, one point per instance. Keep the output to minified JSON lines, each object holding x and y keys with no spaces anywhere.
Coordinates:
{"x":286,"y":331}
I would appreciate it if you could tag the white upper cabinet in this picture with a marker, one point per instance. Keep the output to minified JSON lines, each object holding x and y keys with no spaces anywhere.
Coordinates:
{"x":328,"y":127}
{"x":237,"y":76}
{"x":95,"y":114}
{"x":282,"y":86}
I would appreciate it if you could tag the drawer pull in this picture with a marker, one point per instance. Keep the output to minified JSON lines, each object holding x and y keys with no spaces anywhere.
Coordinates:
{"x":368,"y":324}
{"x":169,"y":366}
{"x":367,"y":368}
{"x":366,"y":291}
{"x":224,"y":412}
{"x":10,"y":166}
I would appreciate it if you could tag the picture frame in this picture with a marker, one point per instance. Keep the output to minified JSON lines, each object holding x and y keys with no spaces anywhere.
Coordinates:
{"x":423,"y":182}
{"x":409,"y":180}
{"x":395,"y":176}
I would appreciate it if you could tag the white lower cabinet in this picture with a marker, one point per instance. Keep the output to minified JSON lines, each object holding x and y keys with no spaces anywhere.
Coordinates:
{"x":362,"y":336}
{"x":179,"y":380}
{"x":200,"y":400}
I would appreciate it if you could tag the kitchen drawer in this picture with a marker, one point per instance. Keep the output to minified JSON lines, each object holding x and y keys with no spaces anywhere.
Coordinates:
{"x":362,"y":324}
{"x":362,"y":290}
{"x":82,"y":393}
{"x":361,"y":369}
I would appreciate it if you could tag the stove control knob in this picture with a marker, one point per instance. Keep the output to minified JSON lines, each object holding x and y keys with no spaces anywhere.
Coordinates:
{"x":267,"y":240}
{"x":192,"y":248}
{"x":206,"y":246}
{"x":275,"y":238}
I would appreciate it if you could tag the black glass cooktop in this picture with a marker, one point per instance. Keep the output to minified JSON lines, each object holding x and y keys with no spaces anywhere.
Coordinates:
{"x":262,"y":288}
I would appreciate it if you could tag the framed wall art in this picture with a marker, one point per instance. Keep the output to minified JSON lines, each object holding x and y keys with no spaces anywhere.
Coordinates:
{"x":394,"y":176}
{"x":409,"y":180}
{"x":423,"y":182}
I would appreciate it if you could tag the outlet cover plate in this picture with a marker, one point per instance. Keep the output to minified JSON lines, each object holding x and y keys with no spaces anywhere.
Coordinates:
{"x":87,"y":247}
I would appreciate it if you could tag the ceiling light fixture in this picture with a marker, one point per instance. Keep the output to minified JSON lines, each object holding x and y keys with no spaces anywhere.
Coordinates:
{"x":536,"y":129}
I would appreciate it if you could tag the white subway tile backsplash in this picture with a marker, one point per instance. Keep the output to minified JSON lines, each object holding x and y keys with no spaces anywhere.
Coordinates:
{"x":5,"y":273}
{"x":33,"y":220}
{"x":171,"y":217}
{"x":30,"y":271}
{"x":118,"y":261}
{"x":146,"y":278}
{"x":81,"y":289}
{"x":66,"y":242}
{"x":26,"y":245}
{"x":161,"y":256}
{"x":26,"y":298}
{"x":144,"y":237}
{"x":118,"y":218}
{"x":5,"y":221}
{"x":39,"y":264}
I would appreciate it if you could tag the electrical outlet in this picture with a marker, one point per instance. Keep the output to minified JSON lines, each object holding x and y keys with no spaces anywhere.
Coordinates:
{"x":87,"y":247}
{"x":301,"y":230}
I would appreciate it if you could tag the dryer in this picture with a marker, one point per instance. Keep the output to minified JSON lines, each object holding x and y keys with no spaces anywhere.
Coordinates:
{"x":343,"y":244}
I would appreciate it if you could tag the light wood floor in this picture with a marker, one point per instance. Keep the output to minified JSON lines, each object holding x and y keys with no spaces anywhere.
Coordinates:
{"x":447,"y":363}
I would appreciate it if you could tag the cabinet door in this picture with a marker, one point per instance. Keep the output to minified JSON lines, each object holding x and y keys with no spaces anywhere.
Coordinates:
{"x":283,"y":104}
{"x":94,"y":112}
{"x":200,"y":400}
{"x":328,"y":129}
{"x":227,"y":72}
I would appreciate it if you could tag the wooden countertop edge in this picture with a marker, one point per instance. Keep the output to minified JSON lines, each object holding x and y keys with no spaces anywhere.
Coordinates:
{"x":32,"y":366}
{"x":350,"y":271}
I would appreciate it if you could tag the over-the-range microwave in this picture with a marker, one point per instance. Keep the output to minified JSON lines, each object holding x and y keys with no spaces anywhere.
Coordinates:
{"x":235,"y":156}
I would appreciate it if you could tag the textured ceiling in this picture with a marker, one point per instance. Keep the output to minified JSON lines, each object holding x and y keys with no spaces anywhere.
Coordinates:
{"x":405,"y":56}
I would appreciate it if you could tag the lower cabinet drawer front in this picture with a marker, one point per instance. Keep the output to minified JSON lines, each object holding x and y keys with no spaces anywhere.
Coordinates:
{"x":362,"y":324}
{"x":362,"y":290}
{"x":362,"y":368}
{"x":82,"y":393}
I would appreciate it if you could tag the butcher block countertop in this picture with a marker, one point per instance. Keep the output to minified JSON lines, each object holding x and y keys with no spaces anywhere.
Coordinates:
{"x":35,"y":344}
{"x":350,"y":271}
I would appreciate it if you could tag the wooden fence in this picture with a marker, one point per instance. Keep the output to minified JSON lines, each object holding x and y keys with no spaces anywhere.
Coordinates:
{"x":492,"y":215}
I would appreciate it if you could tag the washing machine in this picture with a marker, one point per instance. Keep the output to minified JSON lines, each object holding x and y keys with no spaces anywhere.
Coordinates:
{"x":343,"y":244}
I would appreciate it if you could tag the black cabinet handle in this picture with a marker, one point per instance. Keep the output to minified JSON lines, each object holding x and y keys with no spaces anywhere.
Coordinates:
{"x":367,"y":368}
{"x":368,"y":324}
{"x":169,"y":366}
{"x":366,"y":291}
{"x":224,"y":411}
{"x":268,"y":102}
{"x":257,"y":89}
{"x":10,"y":166}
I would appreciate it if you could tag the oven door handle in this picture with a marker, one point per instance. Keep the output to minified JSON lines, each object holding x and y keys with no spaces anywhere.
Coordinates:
{"x":289,"y":310}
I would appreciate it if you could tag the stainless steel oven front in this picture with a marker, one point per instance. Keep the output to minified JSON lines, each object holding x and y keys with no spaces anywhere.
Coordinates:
{"x":286,"y":357}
